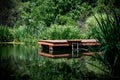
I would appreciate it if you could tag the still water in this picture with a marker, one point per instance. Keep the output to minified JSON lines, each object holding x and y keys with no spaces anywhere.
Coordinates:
{"x":15,"y":56}
{"x":22,"y":62}
{"x":21,"y":51}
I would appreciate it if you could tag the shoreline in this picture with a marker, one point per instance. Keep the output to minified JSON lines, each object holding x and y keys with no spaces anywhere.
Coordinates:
{"x":12,"y":42}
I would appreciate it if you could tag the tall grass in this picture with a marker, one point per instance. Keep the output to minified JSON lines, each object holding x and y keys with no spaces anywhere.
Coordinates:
{"x":91,"y":23}
{"x":108,"y":33}
{"x":28,"y":33}
{"x":21,"y":34}
{"x":6,"y":34}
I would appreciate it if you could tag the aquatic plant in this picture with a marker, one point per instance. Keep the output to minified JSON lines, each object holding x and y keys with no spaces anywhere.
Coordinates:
{"x":108,"y":33}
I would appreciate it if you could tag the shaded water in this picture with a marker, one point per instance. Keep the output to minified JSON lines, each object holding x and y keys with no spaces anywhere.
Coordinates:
{"x":22,"y":62}
{"x":13,"y":56}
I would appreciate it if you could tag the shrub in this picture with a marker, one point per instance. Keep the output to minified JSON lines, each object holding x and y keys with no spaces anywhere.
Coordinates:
{"x":6,"y":34}
{"x":65,"y":20}
{"x":20,"y":33}
{"x":8,"y":12}
{"x":48,"y":11}
{"x":27,"y":33}
{"x":61,"y":32}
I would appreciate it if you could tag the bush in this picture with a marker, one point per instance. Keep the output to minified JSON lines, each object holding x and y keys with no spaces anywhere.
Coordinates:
{"x":48,"y":11}
{"x":8,"y":12}
{"x":64,"y":20}
{"x":28,"y":33}
{"x":20,"y":33}
{"x":61,"y":32}
{"x":6,"y":34}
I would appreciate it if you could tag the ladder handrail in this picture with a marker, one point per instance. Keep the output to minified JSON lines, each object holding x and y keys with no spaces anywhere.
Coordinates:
{"x":75,"y":48}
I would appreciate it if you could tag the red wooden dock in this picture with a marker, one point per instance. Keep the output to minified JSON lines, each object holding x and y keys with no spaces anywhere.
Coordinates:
{"x":83,"y":42}
{"x":65,"y":45}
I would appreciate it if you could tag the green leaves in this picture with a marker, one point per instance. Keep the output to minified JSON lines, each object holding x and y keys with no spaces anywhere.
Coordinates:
{"x":109,"y":37}
{"x":6,"y":35}
{"x":61,"y":32}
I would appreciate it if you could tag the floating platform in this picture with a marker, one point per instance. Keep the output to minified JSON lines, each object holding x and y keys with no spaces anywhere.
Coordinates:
{"x":83,"y":42}
{"x":66,"y":48}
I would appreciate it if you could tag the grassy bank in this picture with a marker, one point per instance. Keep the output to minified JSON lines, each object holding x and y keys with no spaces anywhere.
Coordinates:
{"x":12,"y":42}
{"x":23,"y":34}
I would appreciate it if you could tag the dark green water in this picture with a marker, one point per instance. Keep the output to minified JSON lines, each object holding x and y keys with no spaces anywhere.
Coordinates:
{"x":14,"y":57}
{"x":22,"y":62}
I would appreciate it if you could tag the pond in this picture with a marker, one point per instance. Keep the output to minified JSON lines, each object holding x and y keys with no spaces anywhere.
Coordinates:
{"x":22,"y":62}
{"x":20,"y":51}
{"x":16,"y":56}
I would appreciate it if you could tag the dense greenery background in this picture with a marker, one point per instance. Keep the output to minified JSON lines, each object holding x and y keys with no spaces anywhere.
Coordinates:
{"x":28,"y":19}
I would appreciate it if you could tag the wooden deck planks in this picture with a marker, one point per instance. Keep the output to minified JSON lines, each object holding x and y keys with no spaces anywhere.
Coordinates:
{"x":54,"y":42}
{"x":84,"y":42}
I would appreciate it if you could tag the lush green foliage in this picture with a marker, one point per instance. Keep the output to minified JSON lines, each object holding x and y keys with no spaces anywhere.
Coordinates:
{"x":92,"y":23}
{"x":61,"y":32}
{"x":8,"y":12}
{"x":48,"y":12}
{"x":34,"y":15}
{"x":21,"y":33}
{"x":109,"y":36}
{"x":25,"y":34}
{"x":6,"y":34}
{"x":64,"y":20}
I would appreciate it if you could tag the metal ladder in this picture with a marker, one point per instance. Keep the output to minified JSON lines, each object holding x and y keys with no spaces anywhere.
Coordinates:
{"x":75,"y":49}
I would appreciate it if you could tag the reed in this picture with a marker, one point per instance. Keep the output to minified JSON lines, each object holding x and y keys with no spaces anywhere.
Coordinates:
{"x":108,"y":33}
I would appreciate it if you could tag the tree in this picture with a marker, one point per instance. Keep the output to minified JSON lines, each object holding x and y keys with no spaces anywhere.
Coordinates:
{"x":7,"y":12}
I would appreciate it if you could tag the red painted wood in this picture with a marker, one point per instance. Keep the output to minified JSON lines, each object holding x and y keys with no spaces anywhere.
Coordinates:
{"x":84,"y":42}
